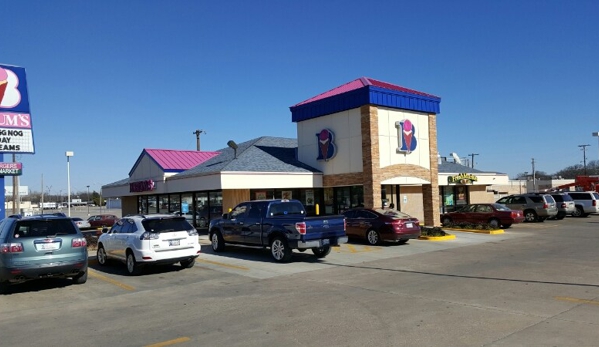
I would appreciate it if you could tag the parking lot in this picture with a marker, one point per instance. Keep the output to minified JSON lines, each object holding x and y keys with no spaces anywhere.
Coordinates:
{"x":536,"y":284}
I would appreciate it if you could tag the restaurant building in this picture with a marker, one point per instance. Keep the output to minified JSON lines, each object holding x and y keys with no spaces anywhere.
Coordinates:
{"x":366,"y":143}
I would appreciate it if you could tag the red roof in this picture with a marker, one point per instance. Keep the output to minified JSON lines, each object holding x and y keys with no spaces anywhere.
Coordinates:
{"x":171,"y":160}
{"x":360,"y":83}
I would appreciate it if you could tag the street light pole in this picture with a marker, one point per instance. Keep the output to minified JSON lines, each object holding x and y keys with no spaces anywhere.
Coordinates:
{"x":87,"y":201}
{"x":69,"y":154}
{"x":597,"y":135}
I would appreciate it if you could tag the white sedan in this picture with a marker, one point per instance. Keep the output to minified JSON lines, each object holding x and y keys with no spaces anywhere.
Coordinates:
{"x":141,"y":240}
{"x":81,"y":223}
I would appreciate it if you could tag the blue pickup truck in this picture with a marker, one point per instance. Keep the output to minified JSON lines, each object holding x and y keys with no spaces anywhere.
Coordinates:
{"x":281,"y":225}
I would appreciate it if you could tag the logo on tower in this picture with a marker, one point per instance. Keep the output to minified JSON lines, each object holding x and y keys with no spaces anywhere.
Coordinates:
{"x":406,"y":138}
{"x":326,"y":145}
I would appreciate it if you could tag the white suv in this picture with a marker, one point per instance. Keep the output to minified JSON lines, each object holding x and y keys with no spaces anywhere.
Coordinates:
{"x":586,"y":203}
{"x":149,"y":239}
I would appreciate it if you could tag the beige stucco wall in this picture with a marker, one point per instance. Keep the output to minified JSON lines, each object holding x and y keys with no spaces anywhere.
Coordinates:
{"x":232,"y":197}
{"x":129,"y":205}
{"x":411,"y":201}
{"x":479,"y":194}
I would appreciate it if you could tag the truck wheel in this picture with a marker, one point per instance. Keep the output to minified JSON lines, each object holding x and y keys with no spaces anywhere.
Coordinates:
{"x":218,"y":243}
{"x":579,"y":212}
{"x":321,"y":252}
{"x":280,"y":250}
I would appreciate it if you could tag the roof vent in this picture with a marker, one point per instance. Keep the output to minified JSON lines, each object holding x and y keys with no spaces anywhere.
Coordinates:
{"x":456,"y":158}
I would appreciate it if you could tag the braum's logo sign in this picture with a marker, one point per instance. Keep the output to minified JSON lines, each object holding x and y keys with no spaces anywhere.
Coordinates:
{"x":326,"y":145}
{"x":406,"y":136}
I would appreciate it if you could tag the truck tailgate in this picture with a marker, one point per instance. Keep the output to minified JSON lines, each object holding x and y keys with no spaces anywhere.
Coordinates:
{"x":324,"y":227}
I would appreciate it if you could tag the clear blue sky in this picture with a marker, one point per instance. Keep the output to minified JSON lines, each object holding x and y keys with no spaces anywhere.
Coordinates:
{"x":518,"y":79}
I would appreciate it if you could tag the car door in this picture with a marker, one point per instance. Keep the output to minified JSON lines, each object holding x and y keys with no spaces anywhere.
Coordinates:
{"x":252,"y":224}
{"x":109,"y":240}
{"x":482,"y":214}
{"x":232,"y":227}
{"x":122,"y":238}
{"x":364,"y":221}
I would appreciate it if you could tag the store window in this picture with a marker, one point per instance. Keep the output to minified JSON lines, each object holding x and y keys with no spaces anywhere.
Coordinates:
{"x":174,"y":203}
{"x":163,"y":204}
{"x":152,"y":204}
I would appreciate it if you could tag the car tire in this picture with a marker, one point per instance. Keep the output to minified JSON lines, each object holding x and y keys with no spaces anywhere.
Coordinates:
{"x":494,"y":223}
{"x":4,"y":287}
{"x":81,"y":278}
{"x":280,"y":251}
{"x":530,"y":216}
{"x":373,"y":237}
{"x":101,"y":256}
{"x":188,"y":264}
{"x":321,"y":252}
{"x":560,"y":216}
{"x":507,"y":226}
{"x":446,"y":221}
{"x":217,"y":241}
{"x":133,"y":268}
{"x":578,"y":213}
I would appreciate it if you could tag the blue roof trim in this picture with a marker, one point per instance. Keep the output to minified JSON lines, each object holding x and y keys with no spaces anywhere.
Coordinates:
{"x":367,"y":95}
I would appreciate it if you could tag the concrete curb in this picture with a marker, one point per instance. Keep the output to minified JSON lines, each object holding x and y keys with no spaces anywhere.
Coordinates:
{"x":437,"y":238}
{"x":491,"y":232}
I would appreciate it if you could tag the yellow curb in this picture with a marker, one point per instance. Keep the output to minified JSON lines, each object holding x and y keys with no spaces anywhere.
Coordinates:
{"x":491,"y":232}
{"x":437,"y":238}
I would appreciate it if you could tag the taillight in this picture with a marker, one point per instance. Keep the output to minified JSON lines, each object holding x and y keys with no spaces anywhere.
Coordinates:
{"x":301,"y":227}
{"x":11,"y":248}
{"x":563,"y":205}
{"x":149,"y":236}
{"x":594,"y":202}
{"x":81,"y":242}
{"x":344,"y":224}
{"x":545,"y":205}
{"x":397,"y":224}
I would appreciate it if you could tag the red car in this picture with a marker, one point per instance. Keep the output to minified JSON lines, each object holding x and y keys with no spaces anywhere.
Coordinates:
{"x":102,"y":220}
{"x":377,"y":226}
{"x":495,"y":215}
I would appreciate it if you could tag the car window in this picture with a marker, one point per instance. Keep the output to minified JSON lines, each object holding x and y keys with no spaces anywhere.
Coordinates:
{"x":394,"y":213}
{"x":505,"y":200}
{"x":43,"y":228}
{"x":366,"y":215}
{"x":254,"y":211}
{"x":116,"y":228}
{"x":536,"y":199}
{"x":518,"y":200}
{"x":126,"y":227}
{"x":564,"y":197}
{"x":239,"y":211}
{"x":166,"y":224}
{"x":484,"y":209}
{"x":596,"y":195}
{"x":500,"y":207}
{"x":350,"y":214}
{"x":558,"y":198}
{"x":550,"y":199}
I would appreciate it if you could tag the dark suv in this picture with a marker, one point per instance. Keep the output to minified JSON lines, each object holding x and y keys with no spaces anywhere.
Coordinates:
{"x":41,"y":246}
{"x":536,"y":207}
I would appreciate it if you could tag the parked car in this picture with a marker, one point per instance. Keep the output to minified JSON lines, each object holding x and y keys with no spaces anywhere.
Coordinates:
{"x":206,"y":214}
{"x":40,"y":247}
{"x":102,"y":220}
{"x":377,"y":226}
{"x":81,"y":223}
{"x":536,"y":207}
{"x":585,"y":202}
{"x":565,"y":205}
{"x":496,"y":215}
{"x":141,"y":240}
{"x":281,"y":225}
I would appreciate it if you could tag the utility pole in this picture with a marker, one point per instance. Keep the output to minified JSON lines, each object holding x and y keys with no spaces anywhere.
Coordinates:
{"x":584,"y":156}
{"x":472,"y":155}
{"x":197,"y":133}
{"x":534,"y":176}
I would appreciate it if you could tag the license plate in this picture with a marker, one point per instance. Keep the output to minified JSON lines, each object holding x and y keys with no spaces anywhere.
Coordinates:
{"x":325,"y":242}
{"x":409,"y":225}
{"x":173,"y":243}
{"x":47,"y":246}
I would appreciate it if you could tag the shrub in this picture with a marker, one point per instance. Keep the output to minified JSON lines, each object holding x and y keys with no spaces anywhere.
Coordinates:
{"x":431,"y":231}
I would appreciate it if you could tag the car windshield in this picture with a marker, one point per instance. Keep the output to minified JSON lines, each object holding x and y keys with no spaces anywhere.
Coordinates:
{"x":500,"y":207}
{"x":393,"y":213}
{"x":44,"y":228}
{"x":166,"y":224}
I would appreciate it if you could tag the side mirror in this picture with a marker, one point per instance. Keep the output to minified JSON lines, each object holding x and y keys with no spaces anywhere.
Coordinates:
{"x":225,"y":216}
{"x":105,"y":230}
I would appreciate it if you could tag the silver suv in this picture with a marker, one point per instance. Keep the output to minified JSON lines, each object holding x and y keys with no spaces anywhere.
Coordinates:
{"x":565,"y":205}
{"x":44,"y":246}
{"x":586,"y":203}
{"x":536,"y":207}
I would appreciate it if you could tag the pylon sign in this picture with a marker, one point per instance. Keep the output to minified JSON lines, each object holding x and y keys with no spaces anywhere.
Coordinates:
{"x":16,"y":131}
